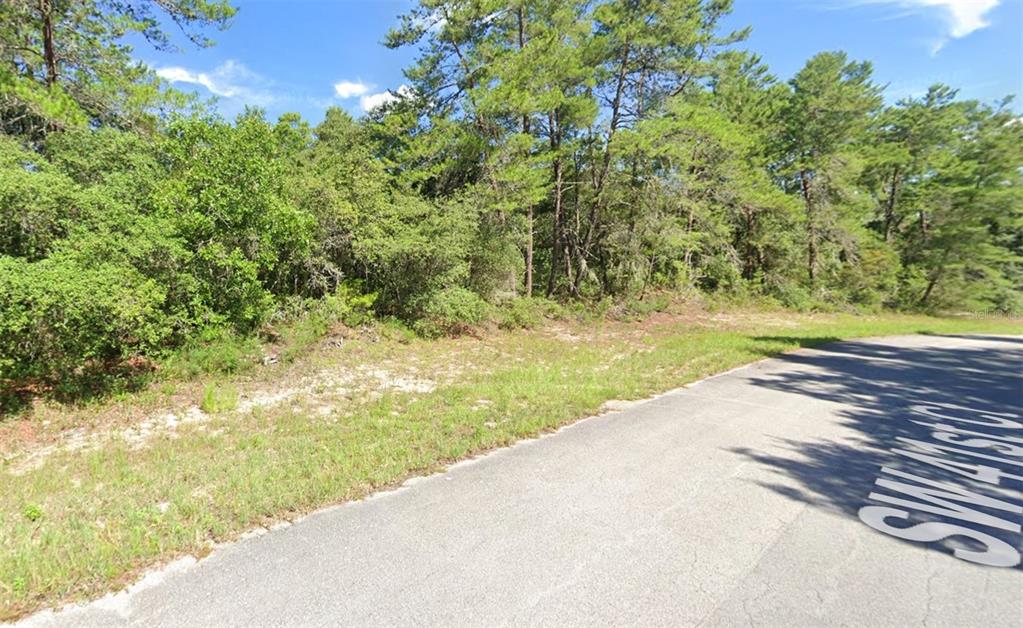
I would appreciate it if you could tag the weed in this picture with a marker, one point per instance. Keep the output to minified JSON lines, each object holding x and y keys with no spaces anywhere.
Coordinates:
{"x":346,"y":307}
{"x":32,"y":512}
{"x":218,"y":351}
{"x":217,"y":398}
{"x":450,"y":312}
{"x":392,"y":328}
{"x":526,"y":313}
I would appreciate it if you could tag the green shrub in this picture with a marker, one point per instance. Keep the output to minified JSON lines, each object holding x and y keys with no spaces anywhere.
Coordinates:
{"x":450,"y":312}
{"x":368,"y":225}
{"x":641,"y":308}
{"x":588,"y":311}
{"x":795,"y":296}
{"x":122,"y":161}
{"x":526,"y":313}
{"x":214,"y":350}
{"x":218,"y":398}
{"x":32,"y":512}
{"x":37,"y":204}
{"x":225,"y":192}
{"x":62,"y":321}
{"x":347,"y":306}
{"x":229,"y":288}
{"x":394,"y":328}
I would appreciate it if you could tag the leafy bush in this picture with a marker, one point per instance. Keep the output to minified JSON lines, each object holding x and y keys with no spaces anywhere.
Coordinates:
{"x":61,"y":319}
{"x":596,"y":310}
{"x":641,"y":308}
{"x":225,"y":194}
{"x":393,"y":328}
{"x":450,"y":312}
{"x":796,"y":297}
{"x":401,"y":245}
{"x":215,"y":350}
{"x":347,"y":306}
{"x":218,"y":398}
{"x":526,"y":313}
{"x":118,"y":160}
{"x":37,"y":203}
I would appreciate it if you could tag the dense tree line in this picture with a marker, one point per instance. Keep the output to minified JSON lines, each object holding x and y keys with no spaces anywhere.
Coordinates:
{"x":570,"y":150}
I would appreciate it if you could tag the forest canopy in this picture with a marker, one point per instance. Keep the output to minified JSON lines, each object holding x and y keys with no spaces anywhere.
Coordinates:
{"x":543,"y":148}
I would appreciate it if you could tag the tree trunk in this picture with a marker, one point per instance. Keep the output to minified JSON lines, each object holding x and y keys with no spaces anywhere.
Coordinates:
{"x":529,"y":209}
{"x":935,"y":276}
{"x":811,"y":230}
{"x":559,"y":227}
{"x":930,"y":288}
{"x":750,"y":257}
{"x":529,"y":251}
{"x":889,"y":210}
{"x":49,"y":50}
{"x":599,"y":183}
{"x":558,"y":244}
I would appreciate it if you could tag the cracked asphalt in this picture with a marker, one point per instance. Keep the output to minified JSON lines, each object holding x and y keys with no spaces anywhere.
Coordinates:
{"x":868,"y":483}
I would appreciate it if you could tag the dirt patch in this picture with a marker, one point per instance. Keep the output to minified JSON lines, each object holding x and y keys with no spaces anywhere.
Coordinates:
{"x":323,"y":392}
{"x":616,"y":405}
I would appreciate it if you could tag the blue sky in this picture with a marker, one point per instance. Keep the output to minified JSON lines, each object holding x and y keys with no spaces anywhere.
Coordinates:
{"x":305,"y":55}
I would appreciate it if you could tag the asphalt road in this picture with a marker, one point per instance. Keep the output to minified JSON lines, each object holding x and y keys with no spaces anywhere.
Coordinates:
{"x":870,"y":483}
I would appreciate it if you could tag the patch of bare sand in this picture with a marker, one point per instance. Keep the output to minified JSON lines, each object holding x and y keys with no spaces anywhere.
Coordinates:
{"x":318,"y":391}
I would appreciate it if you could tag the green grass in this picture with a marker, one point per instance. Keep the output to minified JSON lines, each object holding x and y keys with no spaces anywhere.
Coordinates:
{"x":218,"y":397}
{"x":218,"y":352}
{"x":90,"y":520}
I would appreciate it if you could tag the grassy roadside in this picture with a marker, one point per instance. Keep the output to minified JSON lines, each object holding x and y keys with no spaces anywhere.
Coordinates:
{"x":89,"y":519}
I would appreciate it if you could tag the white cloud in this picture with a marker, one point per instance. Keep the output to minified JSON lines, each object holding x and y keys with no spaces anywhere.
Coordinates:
{"x":370,"y":102}
{"x":898,"y":90}
{"x":433,"y":22}
{"x":230,"y":80}
{"x":348,"y":89}
{"x":961,"y":17}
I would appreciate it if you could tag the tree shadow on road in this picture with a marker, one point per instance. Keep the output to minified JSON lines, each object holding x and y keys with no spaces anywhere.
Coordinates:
{"x":803,"y":342}
{"x":878,"y":384}
{"x":1007,"y":339}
